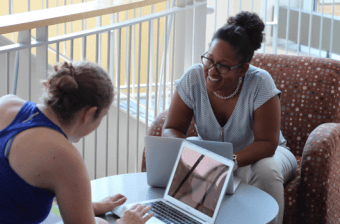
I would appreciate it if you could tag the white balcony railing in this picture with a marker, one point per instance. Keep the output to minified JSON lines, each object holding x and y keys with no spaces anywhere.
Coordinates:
{"x":144,"y":45}
{"x":131,"y":50}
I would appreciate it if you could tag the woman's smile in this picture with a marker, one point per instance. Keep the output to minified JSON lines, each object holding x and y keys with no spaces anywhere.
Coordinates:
{"x":213,"y":79}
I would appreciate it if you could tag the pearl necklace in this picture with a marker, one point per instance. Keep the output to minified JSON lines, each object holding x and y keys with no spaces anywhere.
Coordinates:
{"x":233,"y":94}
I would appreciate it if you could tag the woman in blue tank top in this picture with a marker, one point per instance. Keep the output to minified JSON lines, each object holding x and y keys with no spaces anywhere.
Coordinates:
{"x":37,"y":159}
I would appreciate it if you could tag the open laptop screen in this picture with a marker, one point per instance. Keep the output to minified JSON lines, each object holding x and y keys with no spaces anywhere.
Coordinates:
{"x":198,"y":181}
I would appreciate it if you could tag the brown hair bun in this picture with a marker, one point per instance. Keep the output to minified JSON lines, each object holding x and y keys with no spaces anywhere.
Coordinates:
{"x":63,"y":80}
{"x":75,"y":86}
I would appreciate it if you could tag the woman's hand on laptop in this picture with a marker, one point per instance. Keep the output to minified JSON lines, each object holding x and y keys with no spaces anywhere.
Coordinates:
{"x":108,"y":204}
{"x":137,"y":214}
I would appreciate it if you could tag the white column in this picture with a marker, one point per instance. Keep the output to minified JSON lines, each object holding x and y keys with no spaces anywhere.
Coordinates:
{"x":41,"y":62}
{"x":22,"y":66}
{"x":264,"y":18}
{"x":275,"y":27}
{"x":189,"y":28}
{"x":4,"y":71}
{"x":200,"y":20}
{"x":179,"y":41}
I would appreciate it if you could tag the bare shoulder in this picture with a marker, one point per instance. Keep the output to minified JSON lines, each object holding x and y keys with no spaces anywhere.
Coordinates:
{"x":8,"y":96}
{"x":10,"y":99}
{"x":63,"y":172}
{"x":10,"y":102}
{"x":9,"y":107}
{"x":47,"y":157}
{"x":61,"y":159}
{"x":64,"y":162}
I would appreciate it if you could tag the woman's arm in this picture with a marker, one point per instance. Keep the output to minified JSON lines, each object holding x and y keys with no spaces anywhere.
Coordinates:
{"x":71,"y":185}
{"x":70,"y":182}
{"x":267,"y":120}
{"x":179,"y":118}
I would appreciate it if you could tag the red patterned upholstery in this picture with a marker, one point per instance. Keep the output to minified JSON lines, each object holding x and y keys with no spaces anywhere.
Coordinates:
{"x":310,"y":122}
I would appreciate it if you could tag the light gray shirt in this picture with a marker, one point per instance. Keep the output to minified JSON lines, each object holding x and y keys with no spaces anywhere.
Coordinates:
{"x":258,"y":88}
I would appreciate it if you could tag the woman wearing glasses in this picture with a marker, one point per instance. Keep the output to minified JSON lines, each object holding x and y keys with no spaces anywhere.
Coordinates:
{"x":235,"y":102}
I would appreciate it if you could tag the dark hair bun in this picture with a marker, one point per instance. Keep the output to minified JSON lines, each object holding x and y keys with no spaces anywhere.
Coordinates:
{"x":77,"y":85}
{"x":66,"y":84}
{"x":64,"y":80}
{"x":252,"y":24}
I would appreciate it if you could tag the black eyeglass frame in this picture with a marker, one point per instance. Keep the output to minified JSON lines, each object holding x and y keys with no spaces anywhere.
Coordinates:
{"x":216,"y":65}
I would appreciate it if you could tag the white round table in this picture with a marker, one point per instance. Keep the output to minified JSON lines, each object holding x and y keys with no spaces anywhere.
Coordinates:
{"x":248,"y":205}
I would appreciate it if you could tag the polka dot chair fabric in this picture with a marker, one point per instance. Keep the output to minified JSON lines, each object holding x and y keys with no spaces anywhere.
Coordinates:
{"x":310,"y":122}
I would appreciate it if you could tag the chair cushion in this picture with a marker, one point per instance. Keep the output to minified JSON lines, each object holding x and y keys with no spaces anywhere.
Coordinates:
{"x":309,"y":96}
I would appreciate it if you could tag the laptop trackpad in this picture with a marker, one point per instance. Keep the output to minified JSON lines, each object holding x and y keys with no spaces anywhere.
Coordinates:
{"x":119,"y":211}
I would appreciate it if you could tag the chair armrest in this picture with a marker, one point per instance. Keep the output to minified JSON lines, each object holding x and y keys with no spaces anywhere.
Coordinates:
{"x":320,"y":176}
{"x":291,"y":210}
{"x":157,"y":125}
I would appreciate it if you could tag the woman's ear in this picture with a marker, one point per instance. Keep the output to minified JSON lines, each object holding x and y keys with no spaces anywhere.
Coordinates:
{"x":243,"y":69}
{"x":88,"y":114}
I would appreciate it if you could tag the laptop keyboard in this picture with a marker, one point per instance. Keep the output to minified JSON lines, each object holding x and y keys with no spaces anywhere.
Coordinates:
{"x":170,"y":215}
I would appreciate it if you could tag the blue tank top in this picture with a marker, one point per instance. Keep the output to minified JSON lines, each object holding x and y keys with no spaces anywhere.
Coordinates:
{"x":21,"y":202}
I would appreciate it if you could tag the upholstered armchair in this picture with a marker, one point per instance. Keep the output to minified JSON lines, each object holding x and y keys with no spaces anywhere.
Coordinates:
{"x":310,"y":122}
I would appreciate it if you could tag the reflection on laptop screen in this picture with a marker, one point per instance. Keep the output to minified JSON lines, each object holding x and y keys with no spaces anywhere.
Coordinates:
{"x":198,"y":181}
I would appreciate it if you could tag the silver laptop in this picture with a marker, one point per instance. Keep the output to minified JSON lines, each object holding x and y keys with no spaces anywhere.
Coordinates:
{"x":161,"y":154}
{"x":195,"y":190}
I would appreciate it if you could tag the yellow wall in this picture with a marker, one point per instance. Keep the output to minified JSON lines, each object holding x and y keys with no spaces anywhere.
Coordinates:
{"x":327,"y":9}
{"x":91,"y":40}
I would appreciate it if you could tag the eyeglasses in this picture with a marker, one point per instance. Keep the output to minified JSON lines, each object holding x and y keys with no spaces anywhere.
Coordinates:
{"x":222,"y":69}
